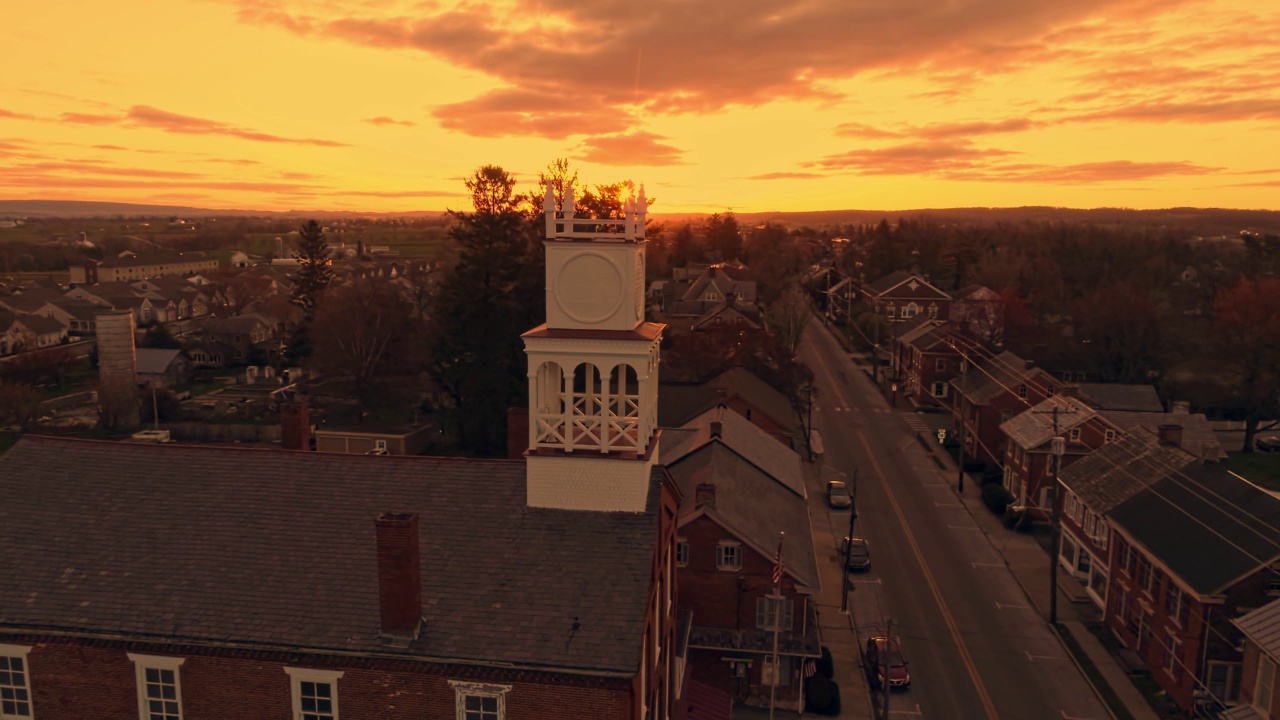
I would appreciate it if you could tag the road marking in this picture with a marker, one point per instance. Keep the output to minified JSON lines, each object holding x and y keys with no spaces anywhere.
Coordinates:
{"x":1001,"y":606}
{"x":1042,"y":657}
{"x":965,"y":657}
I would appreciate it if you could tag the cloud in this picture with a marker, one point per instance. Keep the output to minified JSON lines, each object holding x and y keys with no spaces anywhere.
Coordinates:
{"x":93,"y":168}
{"x":146,"y":116}
{"x":636,"y":148}
{"x":1085,"y":173}
{"x":403,"y":193}
{"x":15,"y":115}
{"x":110,"y":147}
{"x":607,"y":58}
{"x":383,"y":120}
{"x":910,"y":158}
{"x":787,"y":176}
{"x":90,"y":119}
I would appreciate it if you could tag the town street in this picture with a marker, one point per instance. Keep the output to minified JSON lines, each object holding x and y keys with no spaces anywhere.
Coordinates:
{"x":977,"y":647}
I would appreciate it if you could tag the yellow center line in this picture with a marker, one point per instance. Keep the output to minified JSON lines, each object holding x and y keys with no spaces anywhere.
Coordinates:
{"x":915,"y":550}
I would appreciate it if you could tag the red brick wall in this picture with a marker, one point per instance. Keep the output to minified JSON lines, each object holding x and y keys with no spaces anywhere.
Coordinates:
{"x":73,"y":681}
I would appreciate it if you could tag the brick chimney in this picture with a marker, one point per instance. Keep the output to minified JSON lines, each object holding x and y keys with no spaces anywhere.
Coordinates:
{"x":1170,"y":435}
{"x":517,"y":432}
{"x":1181,"y":407}
{"x":399,"y":574}
{"x":705,"y":495}
{"x":295,"y":425}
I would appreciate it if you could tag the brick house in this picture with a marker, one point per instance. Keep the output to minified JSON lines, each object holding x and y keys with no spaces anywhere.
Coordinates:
{"x":740,"y":390}
{"x":978,"y":312}
{"x":1258,"y":699}
{"x":1188,"y":545}
{"x":928,"y":359}
{"x":903,"y":295}
{"x":726,"y":550}
{"x":1029,"y":460}
{"x":989,"y":391}
{"x":729,"y":316}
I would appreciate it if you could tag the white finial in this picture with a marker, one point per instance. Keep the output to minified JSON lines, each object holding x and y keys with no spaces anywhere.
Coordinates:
{"x":549,"y":201}
{"x":629,"y":216}
{"x":642,"y":209}
{"x":568,"y":206}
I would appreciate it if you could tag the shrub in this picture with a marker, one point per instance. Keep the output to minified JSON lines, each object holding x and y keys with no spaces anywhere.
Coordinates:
{"x":996,"y":498}
{"x":992,"y":474}
{"x":826,"y":665}
{"x":1016,"y":520}
{"x":818,"y":694}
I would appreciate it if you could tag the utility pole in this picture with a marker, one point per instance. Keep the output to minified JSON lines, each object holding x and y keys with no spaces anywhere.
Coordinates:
{"x":809,"y":429}
{"x":848,"y":546}
{"x":960,"y":479}
{"x":884,"y":672}
{"x":1057,"y":446}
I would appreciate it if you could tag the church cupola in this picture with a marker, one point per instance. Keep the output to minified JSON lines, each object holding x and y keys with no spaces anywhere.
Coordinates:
{"x":593,"y":367}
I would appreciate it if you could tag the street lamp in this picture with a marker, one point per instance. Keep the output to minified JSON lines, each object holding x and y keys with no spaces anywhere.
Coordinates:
{"x":894,"y":388}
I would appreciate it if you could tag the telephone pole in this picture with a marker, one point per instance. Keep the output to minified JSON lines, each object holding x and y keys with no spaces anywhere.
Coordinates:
{"x":964,"y":364}
{"x":848,"y":546}
{"x":1057,"y":446}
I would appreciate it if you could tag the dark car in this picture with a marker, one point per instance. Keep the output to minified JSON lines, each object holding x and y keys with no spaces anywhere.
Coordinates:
{"x":1270,"y":443}
{"x":838,"y":495}
{"x":859,"y":554}
{"x":885,"y":663}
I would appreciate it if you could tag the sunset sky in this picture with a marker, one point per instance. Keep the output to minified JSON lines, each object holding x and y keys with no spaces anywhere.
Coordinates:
{"x":749,"y":105}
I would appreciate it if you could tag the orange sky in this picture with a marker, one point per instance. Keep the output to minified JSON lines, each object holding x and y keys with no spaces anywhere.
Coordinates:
{"x":749,"y":105}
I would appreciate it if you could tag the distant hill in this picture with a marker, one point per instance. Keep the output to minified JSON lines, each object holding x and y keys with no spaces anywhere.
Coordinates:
{"x":1208,"y":222}
{"x":77,"y":208}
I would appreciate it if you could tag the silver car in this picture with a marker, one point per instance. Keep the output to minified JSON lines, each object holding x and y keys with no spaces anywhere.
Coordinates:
{"x":838,"y":495}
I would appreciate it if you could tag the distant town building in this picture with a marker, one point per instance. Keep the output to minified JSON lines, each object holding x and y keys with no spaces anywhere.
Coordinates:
{"x":139,"y":267}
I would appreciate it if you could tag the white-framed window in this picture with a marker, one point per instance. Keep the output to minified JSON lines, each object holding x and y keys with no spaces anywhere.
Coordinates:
{"x":1022,"y":391}
{"x":1173,"y":651}
{"x":911,"y":310}
{"x":768,"y":676}
{"x":1174,"y":602}
{"x":767,"y":613}
{"x":315,"y":693}
{"x":940,"y":364}
{"x":379,"y":444}
{"x":1264,"y":683}
{"x":480,"y":701}
{"x":1146,"y":577}
{"x":933,"y":311}
{"x":1224,"y":680}
{"x":1122,"y":602}
{"x":939,"y":389}
{"x":15,"y":682}
{"x":1108,"y":436}
{"x":1074,"y":434}
{"x":729,"y":555}
{"x":889,"y":311}
{"x":682,"y":552}
{"x":159,"y":686}
{"x":1051,"y":390}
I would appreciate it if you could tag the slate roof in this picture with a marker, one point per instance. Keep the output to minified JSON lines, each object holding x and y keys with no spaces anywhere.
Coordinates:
{"x":678,"y":404}
{"x":752,"y":505}
{"x":1033,"y":428}
{"x":155,"y":361}
{"x":1005,"y":369}
{"x":1207,"y":525}
{"x":1262,"y":627}
{"x":41,"y":325}
{"x":728,"y":309}
{"x":1119,"y":396}
{"x":159,"y":259}
{"x":931,"y":337}
{"x":276,"y":549}
{"x":883,"y":285}
{"x":1118,"y":470}
{"x":24,"y":304}
{"x":742,"y":437}
{"x":1198,"y":437}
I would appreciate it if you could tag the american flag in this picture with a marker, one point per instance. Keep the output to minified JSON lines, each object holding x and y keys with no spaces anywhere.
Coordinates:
{"x":778,"y":566}
{"x":810,"y":668}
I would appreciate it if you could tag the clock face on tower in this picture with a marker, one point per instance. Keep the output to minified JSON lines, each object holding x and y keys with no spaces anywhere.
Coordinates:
{"x":589,"y":288}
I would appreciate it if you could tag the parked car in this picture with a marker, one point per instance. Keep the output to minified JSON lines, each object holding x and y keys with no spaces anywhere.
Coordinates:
{"x":859,"y":554}
{"x":838,"y":495}
{"x":1270,"y":443}
{"x":885,"y":663}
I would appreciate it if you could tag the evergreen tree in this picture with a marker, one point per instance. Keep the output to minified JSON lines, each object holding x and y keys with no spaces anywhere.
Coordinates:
{"x":314,"y":267}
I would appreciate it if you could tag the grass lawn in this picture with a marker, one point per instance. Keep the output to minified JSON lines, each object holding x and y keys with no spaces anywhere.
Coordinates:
{"x":1260,"y":468}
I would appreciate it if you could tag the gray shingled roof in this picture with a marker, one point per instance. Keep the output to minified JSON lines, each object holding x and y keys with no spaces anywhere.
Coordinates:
{"x":158,"y":259}
{"x":155,"y":361}
{"x":678,"y":404}
{"x":1118,"y":470}
{"x":276,"y":549}
{"x":741,"y":436}
{"x":1034,"y":427}
{"x":1198,"y":437}
{"x":1205,"y":524}
{"x":1262,"y":627}
{"x":751,"y":504}
{"x":1119,"y":396}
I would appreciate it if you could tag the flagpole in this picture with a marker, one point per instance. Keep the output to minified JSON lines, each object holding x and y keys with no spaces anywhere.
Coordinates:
{"x":777,"y":619}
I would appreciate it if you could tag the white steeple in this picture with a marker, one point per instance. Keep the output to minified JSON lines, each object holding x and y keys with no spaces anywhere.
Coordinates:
{"x":593,"y":367}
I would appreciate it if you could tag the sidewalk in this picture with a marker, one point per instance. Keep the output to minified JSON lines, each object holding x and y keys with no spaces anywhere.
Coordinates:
{"x":1029,"y":563}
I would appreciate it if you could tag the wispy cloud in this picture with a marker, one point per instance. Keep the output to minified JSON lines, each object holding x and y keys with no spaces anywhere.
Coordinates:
{"x":15,"y":115}
{"x":145,"y":116}
{"x":787,"y":176}
{"x":637,"y":148}
{"x":383,"y":120}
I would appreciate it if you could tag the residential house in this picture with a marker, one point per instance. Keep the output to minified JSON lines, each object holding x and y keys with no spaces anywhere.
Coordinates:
{"x":138,"y":267}
{"x":1257,"y":692}
{"x":102,"y":293}
{"x":739,"y":390}
{"x":235,"y":340}
{"x":729,"y":316}
{"x":978,"y":312}
{"x":840,"y":298}
{"x":903,"y":295}
{"x":1029,"y":461}
{"x":373,"y":438}
{"x":928,"y":357}
{"x":989,"y":391}
{"x":732,"y":512}
{"x":13,"y":338}
{"x":1119,"y":396}
{"x":1188,"y":546}
{"x":42,"y":331}
{"x":716,"y":284}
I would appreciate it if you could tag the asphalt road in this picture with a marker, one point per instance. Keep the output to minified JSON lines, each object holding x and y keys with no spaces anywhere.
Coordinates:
{"x":976,"y":647}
